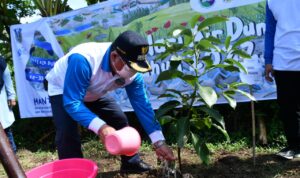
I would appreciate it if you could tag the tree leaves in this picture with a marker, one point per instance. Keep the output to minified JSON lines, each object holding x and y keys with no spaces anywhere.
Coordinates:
{"x":208,"y":94}
{"x":192,"y":53}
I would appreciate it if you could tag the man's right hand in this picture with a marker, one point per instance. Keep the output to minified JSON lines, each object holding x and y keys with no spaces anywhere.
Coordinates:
{"x":163,"y":151}
{"x":269,"y":72}
{"x":104,"y":131}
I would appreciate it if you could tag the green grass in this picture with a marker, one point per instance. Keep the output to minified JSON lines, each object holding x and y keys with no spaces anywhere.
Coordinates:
{"x":239,"y":145}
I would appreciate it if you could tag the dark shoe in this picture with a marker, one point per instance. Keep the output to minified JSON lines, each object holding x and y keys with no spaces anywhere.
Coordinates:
{"x":137,"y":167}
{"x":286,"y":153}
{"x":297,"y":153}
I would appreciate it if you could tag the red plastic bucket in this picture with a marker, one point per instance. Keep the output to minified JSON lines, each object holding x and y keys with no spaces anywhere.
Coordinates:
{"x":65,"y":168}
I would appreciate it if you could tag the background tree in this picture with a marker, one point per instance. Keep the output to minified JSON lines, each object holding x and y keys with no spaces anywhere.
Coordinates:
{"x":49,"y":8}
{"x":11,"y":11}
{"x":90,"y":2}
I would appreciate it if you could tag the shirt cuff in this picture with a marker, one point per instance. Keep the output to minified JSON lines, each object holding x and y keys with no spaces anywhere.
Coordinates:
{"x":157,"y":135}
{"x":96,"y":124}
{"x":11,"y":97}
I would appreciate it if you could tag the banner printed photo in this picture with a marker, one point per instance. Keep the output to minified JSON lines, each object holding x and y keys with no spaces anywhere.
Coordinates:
{"x":37,"y":52}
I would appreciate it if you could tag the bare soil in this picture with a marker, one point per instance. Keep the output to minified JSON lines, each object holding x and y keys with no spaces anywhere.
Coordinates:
{"x":238,"y":164}
{"x":223,"y":164}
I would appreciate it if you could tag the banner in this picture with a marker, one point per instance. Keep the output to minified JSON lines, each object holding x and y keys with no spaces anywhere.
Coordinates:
{"x":37,"y":46}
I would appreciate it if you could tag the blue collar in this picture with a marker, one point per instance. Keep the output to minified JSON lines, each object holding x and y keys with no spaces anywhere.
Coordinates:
{"x":105,"y":64}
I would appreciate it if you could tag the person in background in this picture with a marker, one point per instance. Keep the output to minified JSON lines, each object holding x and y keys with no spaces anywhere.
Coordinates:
{"x":7,"y":102}
{"x":79,"y":86}
{"x":282,"y":60}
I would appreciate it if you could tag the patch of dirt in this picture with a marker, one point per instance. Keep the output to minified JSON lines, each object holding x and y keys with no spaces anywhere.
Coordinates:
{"x":224,"y":164}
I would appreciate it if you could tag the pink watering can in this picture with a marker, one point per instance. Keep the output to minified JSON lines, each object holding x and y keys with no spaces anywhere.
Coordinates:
{"x":126,"y":141}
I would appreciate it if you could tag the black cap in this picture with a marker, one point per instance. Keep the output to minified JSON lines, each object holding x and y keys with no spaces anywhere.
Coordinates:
{"x":133,"y":49}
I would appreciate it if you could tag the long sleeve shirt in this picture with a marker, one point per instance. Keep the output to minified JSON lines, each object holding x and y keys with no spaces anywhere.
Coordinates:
{"x":269,"y":36}
{"x":89,"y":77}
{"x":9,"y":87}
{"x":282,"y":46}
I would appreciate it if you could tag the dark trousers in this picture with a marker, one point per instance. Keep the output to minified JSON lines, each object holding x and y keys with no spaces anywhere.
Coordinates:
{"x":67,"y":137}
{"x":11,"y":140}
{"x":288,"y":97}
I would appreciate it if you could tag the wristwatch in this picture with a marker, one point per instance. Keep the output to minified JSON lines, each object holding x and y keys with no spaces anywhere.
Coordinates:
{"x":158,"y":144}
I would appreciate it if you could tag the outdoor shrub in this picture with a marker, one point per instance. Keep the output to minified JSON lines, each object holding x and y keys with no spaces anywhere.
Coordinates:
{"x":185,"y":48}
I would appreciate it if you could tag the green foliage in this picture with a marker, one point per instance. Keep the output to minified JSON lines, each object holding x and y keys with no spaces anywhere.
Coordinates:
{"x":195,"y":122}
{"x":11,"y":11}
{"x":49,"y":8}
{"x":91,"y":2}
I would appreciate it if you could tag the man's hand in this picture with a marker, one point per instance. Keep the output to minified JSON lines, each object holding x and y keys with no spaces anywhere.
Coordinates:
{"x":104,"y":131}
{"x":163,"y":152}
{"x":11,"y":103}
{"x":269,"y":72}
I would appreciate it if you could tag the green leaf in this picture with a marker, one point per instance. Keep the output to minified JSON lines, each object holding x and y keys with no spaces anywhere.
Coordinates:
{"x":237,"y":64}
{"x":166,"y":119}
{"x":194,"y":20}
{"x":188,"y":52}
{"x":227,"y":42}
{"x":208,"y":61}
{"x":198,"y":123}
{"x":201,"y":149}
{"x":162,"y":56}
{"x":213,"y":40}
{"x":175,"y":47}
{"x":231,"y":101}
{"x":207,"y":122}
{"x":187,"y":40}
{"x":220,"y":65}
{"x":189,"y":61}
{"x":237,"y":84}
{"x":241,"y":41}
{"x":241,"y":53}
{"x":206,"y":44}
{"x":176,"y":58}
{"x":232,"y":68}
{"x":215,"y":115}
{"x":168,"y":95}
{"x":208,"y":94}
{"x":230,"y":92}
{"x":223,"y":131}
{"x":211,"y":21}
{"x":168,"y":74}
{"x":174,"y":91}
{"x":182,"y":130}
{"x":190,"y":79}
{"x":246,"y":94}
{"x":177,"y":32}
{"x":166,"y":107}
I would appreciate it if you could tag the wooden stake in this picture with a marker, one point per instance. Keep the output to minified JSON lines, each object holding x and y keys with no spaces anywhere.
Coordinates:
{"x":253,"y":128}
{"x":8,"y":158}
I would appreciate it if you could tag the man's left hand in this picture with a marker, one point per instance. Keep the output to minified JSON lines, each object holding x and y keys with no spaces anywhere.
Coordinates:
{"x":11,"y":103}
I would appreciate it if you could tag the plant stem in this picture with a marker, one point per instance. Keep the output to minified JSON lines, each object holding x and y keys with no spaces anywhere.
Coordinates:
{"x":179,"y":158}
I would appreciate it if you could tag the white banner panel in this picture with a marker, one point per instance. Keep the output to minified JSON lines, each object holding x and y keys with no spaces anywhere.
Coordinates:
{"x":37,"y":46}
